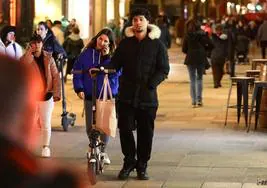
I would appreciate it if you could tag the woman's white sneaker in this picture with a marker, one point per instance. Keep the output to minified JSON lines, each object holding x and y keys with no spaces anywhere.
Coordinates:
{"x":106,"y":158}
{"x":46,"y":152}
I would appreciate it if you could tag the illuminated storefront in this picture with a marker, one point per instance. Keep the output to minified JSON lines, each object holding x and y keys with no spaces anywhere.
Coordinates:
{"x":82,"y":17}
{"x":47,"y":9}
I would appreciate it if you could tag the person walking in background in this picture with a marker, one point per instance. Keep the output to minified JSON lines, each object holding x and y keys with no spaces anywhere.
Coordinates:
{"x":231,"y":32}
{"x":97,"y":53}
{"x":252,"y":30}
{"x":8,"y":44}
{"x":73,"y":46}
{"x":69,"y":28}
{"x":44,"y":63}
{"x":57,"y":31}
{"x":50,"y":44}
{"x":195,"y":45}
{"x":179,"y":30}
{"x":218,"y":55}
{"x":165,"y":36}
{"x":262,"y":37}
{"x":143,"y":60}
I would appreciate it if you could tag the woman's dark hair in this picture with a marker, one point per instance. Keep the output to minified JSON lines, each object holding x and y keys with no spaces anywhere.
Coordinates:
{"x":49,"y":31}
{"x":44,"y":24}
{"x":109,"y":33}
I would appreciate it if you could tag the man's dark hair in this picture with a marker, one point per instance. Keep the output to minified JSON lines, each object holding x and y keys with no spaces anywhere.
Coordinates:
{"x":56,"y":22}
{"x":140,"y":12}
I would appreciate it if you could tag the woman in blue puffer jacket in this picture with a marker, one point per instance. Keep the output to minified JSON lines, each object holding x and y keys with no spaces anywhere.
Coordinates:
{"x":97,"y":53}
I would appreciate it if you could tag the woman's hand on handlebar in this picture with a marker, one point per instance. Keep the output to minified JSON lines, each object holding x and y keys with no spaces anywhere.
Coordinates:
{"x":93,"y":72}
{"x":81,"y":95}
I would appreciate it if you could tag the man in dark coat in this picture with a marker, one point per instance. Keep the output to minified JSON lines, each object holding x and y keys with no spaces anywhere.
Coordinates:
{"x":144,"y":62}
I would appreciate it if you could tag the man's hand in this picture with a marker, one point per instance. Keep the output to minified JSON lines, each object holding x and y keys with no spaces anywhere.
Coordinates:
{"x":81,"y":95}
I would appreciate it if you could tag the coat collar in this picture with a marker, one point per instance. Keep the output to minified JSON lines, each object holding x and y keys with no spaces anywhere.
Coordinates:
{"x":153,"y":31}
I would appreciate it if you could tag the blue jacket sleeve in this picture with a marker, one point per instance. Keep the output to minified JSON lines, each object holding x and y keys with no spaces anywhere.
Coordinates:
{"x":78,"y":72}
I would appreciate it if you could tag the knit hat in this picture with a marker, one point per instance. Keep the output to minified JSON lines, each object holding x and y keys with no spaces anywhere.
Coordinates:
{"x":6,"y":30}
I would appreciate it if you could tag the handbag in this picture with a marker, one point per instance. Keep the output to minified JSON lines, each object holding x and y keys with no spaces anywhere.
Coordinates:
{"x":106,"y":120}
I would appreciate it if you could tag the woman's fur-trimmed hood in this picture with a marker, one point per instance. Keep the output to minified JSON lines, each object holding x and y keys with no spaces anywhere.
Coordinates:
{"x":153,"y":31}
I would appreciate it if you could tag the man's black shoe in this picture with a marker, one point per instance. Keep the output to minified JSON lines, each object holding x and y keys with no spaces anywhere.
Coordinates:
{"x":142,"y":174}
{"x":126,"y":170}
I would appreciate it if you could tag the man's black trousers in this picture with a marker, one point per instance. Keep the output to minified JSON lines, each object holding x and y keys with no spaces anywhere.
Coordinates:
{"x":142,"y":119}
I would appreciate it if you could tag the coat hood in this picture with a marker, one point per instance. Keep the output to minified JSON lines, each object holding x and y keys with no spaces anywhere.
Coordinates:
{"x":74,"y":37}
{"x":197,"y":34}
{"x":153,"y":31}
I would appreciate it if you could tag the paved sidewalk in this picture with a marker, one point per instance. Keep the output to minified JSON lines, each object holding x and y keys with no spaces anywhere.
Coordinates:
{"x":192,"y":148}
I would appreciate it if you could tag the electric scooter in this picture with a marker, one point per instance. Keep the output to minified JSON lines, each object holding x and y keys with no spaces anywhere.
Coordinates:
{"x":67,"y":118}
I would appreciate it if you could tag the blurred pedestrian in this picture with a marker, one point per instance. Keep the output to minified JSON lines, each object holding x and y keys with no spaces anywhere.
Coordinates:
{"x":44,"y":63}
{"x":20,"y":168}
{"x":195,"y":46}
{"x":8,"y":44}
{"x":73,"y":46}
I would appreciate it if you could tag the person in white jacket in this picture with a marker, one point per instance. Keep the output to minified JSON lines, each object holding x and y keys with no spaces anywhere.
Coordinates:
{"x":8,"y":44}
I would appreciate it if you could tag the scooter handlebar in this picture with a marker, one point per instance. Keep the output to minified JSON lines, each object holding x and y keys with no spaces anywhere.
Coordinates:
{"x":101,"y":69}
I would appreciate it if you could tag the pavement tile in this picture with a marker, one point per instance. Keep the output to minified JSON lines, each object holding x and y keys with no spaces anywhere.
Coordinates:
{"x":226,"y":174}
{"x":253,"y":185}
{"x":143,"y":184}
{"x":222,"y":185}
{"x":182,"y":184}
{"x":195,"y":174}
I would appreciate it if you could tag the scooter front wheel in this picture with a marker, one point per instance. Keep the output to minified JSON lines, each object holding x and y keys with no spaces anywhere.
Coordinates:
{"x":92,"y":170}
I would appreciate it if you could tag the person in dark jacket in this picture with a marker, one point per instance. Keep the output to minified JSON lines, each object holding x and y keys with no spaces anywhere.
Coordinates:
{"x":165,"y":36}
{"x":50,"y":44}
{"x":262,"y":37}
{"x":20,"y":168}
{"x":144,"y":63}
{"x":231,"y":31}
{"x":97,"y":53}
{"x":218,"y":55}
{"x":73,"y":46}
{"x":195,"y":46}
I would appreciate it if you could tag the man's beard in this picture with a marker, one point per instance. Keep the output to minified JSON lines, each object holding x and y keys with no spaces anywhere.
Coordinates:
{"x":139,"y":31}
